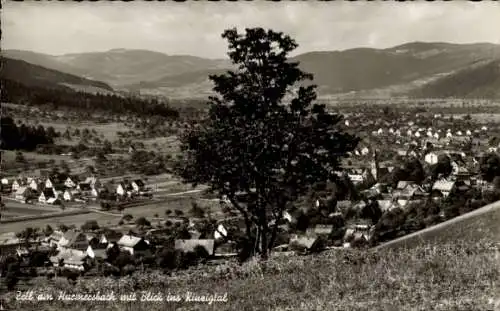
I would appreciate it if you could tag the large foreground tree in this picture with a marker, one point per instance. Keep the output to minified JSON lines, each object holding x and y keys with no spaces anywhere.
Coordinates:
{"x":264,"y":142}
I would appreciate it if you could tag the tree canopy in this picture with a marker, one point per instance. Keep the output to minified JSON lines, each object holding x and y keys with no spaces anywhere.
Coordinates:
{"x":256,"y":146}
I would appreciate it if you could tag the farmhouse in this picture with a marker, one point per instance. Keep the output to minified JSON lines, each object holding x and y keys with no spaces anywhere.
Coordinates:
{"x":70,"y":259}
{"x":138,"y":185}
{"x":132,"y":244}
{"x":33,"y":184}
{"x":5,"y":181}
{"x":445,"y":187}
{"x":53,"y":239}
{"x":74,"y":240}
{"x":46,"y":195}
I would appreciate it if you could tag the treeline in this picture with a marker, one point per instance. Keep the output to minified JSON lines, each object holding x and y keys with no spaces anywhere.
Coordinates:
{"x":24,"y":137}
{"x":36,"y":96}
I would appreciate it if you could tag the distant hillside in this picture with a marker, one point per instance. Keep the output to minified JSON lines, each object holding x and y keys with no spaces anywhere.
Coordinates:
{"x":478,"y":81}
{"x":36,"y":76}
{"x":354,"y":71}
{"x":121,"y":67}
{"x":365,"y":69}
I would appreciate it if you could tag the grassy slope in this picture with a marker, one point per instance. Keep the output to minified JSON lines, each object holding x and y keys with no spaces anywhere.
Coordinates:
{"x":483,"y":223}
{"x":448,"y":277}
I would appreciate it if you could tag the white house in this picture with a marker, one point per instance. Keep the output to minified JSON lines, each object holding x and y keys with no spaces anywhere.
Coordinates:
{"x":346,"y":123}
{"x":468,"y":133}
{"x":46,"y":194}
{"x":68,"y":196}
{"x":448,"y":134}
{"x":48,"y":183}
{"x":444,"y":186}
{"x":220,"y":232}
{"x":5,"y":181}
{"x":132,"y":244}
{"x":33,"y":184}
{"x":138,"y":185}
{"x":120,"y":189}
{"x":431,"y":158}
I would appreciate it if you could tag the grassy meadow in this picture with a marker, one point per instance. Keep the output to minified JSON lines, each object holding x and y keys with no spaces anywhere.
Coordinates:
{"x":453,"y":276}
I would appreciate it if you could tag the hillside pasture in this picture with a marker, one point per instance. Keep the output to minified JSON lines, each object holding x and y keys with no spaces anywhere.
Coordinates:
{"x":451,"y":276}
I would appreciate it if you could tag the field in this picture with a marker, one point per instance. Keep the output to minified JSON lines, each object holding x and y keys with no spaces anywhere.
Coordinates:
{"x":148,"y":210}
{"x":15,"y":209}
{"x":452,"y":276}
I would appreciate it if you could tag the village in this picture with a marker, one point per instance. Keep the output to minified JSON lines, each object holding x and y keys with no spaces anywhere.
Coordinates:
{"x":426,"y":168}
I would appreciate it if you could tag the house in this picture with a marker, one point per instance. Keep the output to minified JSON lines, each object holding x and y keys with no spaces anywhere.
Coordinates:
{"x":23,"y":194}
{"x":138,"y":185}
{"x":86,"y":189}
{"x":67,"y":195}
{"x":53,"y":239}
{"x":74,"y":240}
{"x":16,"y":184}
{"x":70,"y":259}
{"x":46,"y":194}
{"x":5,"y":181}
{"x":220,"y":232}
{"x":443,"y":186}
{"x":122,"y":189}
{"x":190,"y":245}
{"x":9,"y":243}
{"x":33,"y":184}
{"x":408,"y":191}
{"x":431,"y":158}
{"x":109,"y":237}
{"x":132,"y":244}
{"x":48,"y":183}
{"x":69,"y":183}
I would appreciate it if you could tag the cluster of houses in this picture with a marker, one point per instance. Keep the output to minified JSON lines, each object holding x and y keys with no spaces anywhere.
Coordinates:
{"x":46,"y":191}
{"x":76,"y":249}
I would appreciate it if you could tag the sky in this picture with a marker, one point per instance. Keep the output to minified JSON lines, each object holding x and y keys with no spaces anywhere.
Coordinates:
{"x":195,"y":28}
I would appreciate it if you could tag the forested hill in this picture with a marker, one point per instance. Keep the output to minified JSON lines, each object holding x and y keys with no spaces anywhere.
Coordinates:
{"x":15,"y":92}
{"x":37,"y":76}
{"x":478,"y":81}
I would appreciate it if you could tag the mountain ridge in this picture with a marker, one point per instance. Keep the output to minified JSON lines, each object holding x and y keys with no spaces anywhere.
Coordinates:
{"x":356,"y":70}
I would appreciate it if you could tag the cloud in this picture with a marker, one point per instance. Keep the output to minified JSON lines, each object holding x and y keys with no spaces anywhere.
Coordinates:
{"x":195,"y":27}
